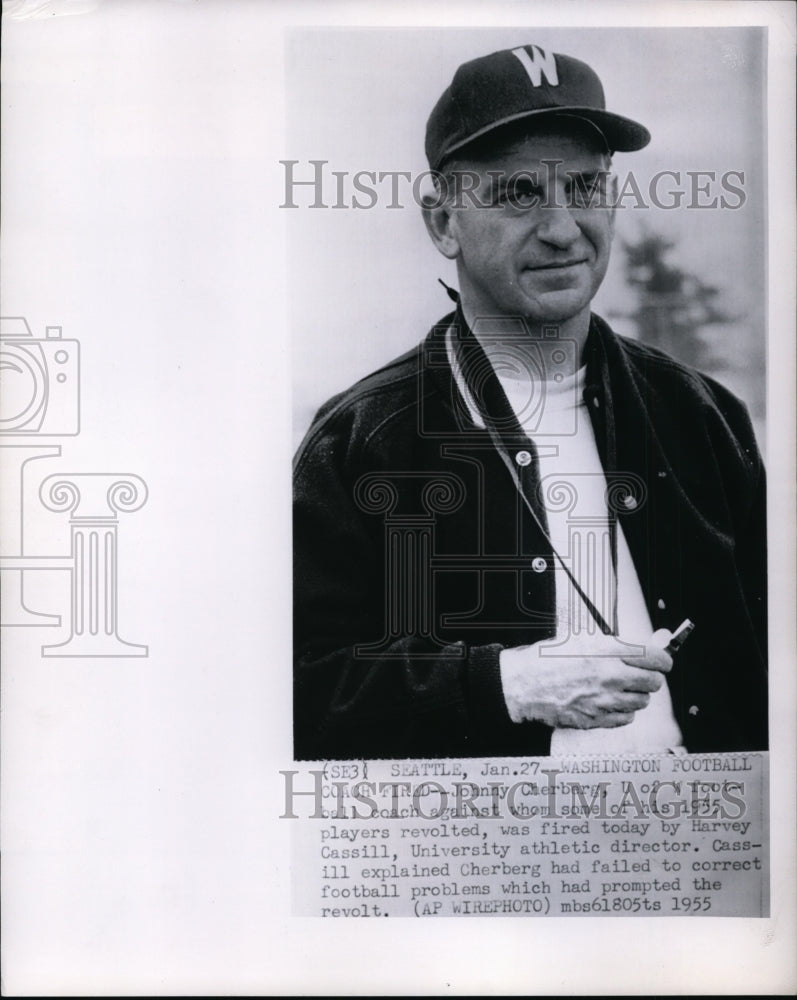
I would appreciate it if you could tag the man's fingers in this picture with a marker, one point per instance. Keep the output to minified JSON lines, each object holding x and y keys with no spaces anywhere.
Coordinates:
{"x":615,"y":719}
{"x":618,"y":703}
{"x":641,"y":680}
{"x":655,"y":656}
{"x":661,"y":637}
{"x":630,"y":701}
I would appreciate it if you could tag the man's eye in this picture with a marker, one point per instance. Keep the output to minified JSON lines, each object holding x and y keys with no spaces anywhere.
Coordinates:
{"x":587,"y":192}
{"x":520,"y":196}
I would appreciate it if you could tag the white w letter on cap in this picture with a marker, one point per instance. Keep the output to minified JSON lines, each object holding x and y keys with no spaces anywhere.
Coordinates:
{"x":539,"y":64}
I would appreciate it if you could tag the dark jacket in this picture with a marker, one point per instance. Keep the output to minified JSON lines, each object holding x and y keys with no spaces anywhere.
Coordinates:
{"x":416,"y":559}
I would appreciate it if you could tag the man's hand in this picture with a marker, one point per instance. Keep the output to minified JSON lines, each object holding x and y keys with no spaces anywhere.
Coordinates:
{"x":587,"y":683}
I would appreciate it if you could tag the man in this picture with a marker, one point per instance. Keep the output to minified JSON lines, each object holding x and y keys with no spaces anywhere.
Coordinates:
{"x":496,"y":534}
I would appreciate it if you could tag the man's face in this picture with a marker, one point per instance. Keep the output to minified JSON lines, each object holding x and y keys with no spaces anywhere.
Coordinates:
{"x":540,"y":247}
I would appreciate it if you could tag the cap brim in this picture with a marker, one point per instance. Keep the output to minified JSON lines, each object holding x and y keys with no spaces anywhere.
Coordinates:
{"x":622,"y":134}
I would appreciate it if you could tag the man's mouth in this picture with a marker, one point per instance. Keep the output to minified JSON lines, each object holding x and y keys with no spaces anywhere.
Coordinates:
{"x":556,"y":265}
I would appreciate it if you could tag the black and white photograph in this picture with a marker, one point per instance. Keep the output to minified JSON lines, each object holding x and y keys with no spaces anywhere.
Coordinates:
{"x":530,"y":539}
{"x":498,"y":533}
{"x":397,"y":511}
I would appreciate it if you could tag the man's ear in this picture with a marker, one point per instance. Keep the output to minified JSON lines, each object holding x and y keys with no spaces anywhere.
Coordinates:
{"x":441,"y":226}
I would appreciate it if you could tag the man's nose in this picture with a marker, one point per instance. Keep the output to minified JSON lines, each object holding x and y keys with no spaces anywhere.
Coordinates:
{"x":558,"y":227}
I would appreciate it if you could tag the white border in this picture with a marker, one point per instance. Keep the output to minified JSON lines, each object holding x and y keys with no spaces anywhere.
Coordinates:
{"x":236,"y":945}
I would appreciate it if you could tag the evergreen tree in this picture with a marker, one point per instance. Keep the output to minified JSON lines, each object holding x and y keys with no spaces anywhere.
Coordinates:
{"x":675,"y":310}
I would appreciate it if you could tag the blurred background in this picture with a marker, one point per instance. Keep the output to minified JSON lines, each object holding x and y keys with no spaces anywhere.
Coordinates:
{"x":690,"y":280}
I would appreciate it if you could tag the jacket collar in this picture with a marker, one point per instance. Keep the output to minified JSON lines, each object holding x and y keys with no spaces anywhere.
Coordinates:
{"x":488,"y":395}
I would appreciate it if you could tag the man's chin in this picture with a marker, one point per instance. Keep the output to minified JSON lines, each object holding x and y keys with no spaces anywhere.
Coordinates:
{"x":557,"y":306}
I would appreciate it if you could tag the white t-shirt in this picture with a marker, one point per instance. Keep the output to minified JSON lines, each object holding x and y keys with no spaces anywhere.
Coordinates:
{"x":574,"y":493}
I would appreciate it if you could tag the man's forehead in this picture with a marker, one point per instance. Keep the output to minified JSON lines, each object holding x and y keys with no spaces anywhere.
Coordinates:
{"x":576,"y":146}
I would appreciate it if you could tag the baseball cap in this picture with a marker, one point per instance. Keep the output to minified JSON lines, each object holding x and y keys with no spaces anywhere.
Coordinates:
{"x":518,"y":83}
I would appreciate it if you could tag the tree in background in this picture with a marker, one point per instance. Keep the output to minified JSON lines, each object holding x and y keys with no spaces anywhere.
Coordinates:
{"x":675,"y":310}
{"x":681,"y":313}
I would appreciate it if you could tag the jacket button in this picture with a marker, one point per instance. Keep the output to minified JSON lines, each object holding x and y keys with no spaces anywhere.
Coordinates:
{"x":630,"y":503}
{"x":660,"y":604}
{"x":596,"y":402}
{"x":693,"y":710}
{"x":539,"y":565}
{"x":523,"y":458}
